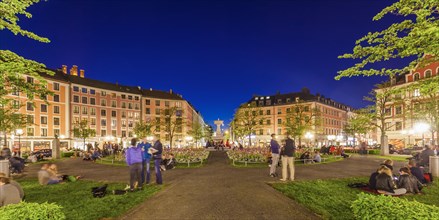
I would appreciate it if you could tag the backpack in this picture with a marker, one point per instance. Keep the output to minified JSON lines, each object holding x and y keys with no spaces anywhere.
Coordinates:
{"x":99,"y":192}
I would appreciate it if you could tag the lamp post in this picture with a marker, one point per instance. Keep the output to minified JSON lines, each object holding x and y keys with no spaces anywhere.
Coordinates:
{"x":19,"y":132}
{"x":309,"y":136}
{"x":421,"y":128}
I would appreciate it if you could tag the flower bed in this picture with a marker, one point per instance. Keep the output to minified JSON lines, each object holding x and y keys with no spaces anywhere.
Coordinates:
{"x":249,"y":155}
{"x":188,"y":155}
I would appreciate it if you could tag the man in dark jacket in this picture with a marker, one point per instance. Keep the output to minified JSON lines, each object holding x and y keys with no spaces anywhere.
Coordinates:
{"x":275,"y":150}
{"x":416,"y":171}
{"x":288,"y":159}
{"x":157,"y":156}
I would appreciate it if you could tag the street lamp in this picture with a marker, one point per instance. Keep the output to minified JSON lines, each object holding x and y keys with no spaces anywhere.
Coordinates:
{"x":19,"y":132}
{"x":421,"y":128}
{"x":309,"y":136}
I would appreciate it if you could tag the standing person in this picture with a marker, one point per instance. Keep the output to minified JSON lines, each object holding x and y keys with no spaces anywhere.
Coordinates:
{"x":275,"y":150}
{"x":157,"y":156}
{"x":425,"y":156}
{"x":288,"y":159}
{"x":146,"y":172}
{"x":134,"y":161}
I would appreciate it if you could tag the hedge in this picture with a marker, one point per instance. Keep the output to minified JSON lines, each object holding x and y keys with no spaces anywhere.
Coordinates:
{"x":66,"y":154}
{"x":369,"y":206}
{"x":31,"y":211}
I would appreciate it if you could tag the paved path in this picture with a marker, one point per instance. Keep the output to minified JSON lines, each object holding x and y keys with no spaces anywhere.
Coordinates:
{"x":218,"y":190}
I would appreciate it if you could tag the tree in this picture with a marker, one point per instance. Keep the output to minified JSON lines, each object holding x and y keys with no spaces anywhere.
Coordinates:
{"x":143,"y":128}
{"x":414,"y":37}
{"x":10,"y":120}
{"x":359,"y":123}
{"x":170,"y":121}
{"x":428,"y":103}
{"x":301,"y":118}
{"x":379,"y":113}
{"x":82,"y":130}
{"x":13,"y":67}
{"x":197,"y":132}
{"x":247,"y":119}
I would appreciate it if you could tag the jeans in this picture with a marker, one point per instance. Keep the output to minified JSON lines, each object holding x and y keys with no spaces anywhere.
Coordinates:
{"x":158,"y":173}
{"x":287,"y":161}
{"x":135,"y":175}
{"x":274,"y":162}
{"x":146,"y":172}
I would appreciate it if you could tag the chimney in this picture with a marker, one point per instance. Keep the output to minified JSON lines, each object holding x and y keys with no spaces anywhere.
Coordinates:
{"x":74,"y":70}
{"x":64,"y":69}
{"x":81,"y":73}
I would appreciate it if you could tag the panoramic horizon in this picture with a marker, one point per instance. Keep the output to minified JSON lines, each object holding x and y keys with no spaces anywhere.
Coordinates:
{"x":229,"y":50}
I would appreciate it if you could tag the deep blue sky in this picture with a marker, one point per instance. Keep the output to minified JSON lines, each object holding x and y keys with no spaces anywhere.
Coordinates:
{"x":217,"y":54}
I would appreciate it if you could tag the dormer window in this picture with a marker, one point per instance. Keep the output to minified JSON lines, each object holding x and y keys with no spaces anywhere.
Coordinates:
{"x":256,"y":98}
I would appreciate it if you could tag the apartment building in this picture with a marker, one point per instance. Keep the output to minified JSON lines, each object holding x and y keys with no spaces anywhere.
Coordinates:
{"x":401,"y":123}
{"x":112,"y":110}
{"x":274,"y":109}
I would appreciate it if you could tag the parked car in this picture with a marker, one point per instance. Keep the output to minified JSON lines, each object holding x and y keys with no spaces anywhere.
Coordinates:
{"x":410,"y":151}
{"x":41,"y":154}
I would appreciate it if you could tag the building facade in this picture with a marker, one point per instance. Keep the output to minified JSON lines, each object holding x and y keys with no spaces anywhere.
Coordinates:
{"x":275,"y":110}
{"x":112,"y":110}
{"x":401,"y":122}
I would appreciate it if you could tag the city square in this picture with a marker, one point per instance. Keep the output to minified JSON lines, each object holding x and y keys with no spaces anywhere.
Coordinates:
{"x":219,"y":109}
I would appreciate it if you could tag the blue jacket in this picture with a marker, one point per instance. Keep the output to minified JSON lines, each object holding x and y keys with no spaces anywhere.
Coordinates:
{"x":134,"y":155}
{"x":145,"y":147}
{"x":274,"y":146}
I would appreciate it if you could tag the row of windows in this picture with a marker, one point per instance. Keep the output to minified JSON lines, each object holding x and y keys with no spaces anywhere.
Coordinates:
{"x":43,"y":108}
{"x":427,"y":74}
{"x":103,"y":122}
{"x":85,"y":110}
{"x":84,"y":100}
{"x":43,"y":132}
{"x":104,"y":93}
{"x":395,"y":127}
{"x":43,"y":120}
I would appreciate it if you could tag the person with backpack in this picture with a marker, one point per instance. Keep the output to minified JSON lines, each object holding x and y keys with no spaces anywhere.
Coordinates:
{"x":134,"y":159}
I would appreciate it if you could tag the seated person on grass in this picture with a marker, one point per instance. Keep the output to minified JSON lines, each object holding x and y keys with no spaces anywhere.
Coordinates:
{"x":14,"y":183}
{"x":305,"y":157}
{"x":9,"y":194}
{"x":168,"y":163}
{"x":416,"y":171}
{"x":385,"y":183}
{"x":317,"y":157}
{"x":408,"y":181}
{"x":96,"y":155}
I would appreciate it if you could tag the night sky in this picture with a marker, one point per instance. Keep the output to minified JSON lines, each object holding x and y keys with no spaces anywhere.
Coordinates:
{"x":217,"y":54}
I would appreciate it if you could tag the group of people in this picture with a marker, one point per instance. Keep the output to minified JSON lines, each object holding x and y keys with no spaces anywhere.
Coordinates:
{"x":333,"y":150}
{"x":287,"y":153}
{"x":410,"y":179}
{"x":138,"y":158}
{"x":307,"y":157}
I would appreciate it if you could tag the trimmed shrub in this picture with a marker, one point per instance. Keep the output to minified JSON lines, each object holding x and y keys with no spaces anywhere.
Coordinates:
{"x":31,"y":211}
{"x":369,"y":206}
{"x":66,"y":154}
{"x":374,"y":152}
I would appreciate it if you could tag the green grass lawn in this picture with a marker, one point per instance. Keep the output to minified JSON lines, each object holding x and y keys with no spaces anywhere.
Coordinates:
{"x":332,"y":198}
{"x":77,"y":200}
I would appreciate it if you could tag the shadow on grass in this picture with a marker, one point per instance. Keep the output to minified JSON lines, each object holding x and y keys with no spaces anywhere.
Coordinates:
{"x":77,"y":200}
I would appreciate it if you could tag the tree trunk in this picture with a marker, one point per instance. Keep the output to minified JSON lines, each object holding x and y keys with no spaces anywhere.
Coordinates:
{"x":170,"y":141}
{"x":384,"y":144}
{"x":300,"y":141}
{"x":432,"y":138}
{"x":250,"y":140}
{"x":6,"y":139}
